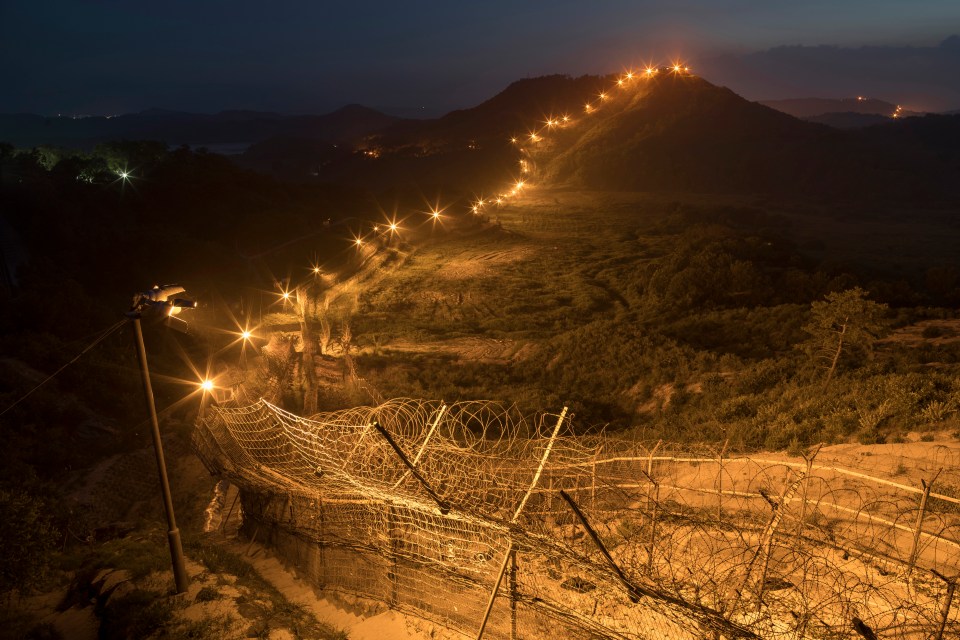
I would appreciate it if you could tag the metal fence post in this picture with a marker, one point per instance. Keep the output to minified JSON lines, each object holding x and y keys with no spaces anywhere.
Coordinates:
{"x":649,"y":473}
{"x":593,"y":479}
{"x":653,"y":520}
{"x":808,"y":458}
{"x":513,"y":520}
{"x":513,"y":594}
{"x":322,"y":544}
{"x":393,"y":541}
{"x":947,"y":602}
{"x":720,"y":481}
{"x":226,"y":520}
{"x":918,"y":529}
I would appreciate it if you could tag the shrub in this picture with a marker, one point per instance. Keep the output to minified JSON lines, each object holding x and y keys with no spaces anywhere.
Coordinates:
{"x":27,"y":537}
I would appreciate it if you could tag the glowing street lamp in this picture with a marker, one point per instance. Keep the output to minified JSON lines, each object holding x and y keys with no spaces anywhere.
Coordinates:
{"x":159,"y":300}
{"x":207,"y":385}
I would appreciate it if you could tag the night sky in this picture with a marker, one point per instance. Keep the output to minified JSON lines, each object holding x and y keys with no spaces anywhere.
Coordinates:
{"x":108,"y":56}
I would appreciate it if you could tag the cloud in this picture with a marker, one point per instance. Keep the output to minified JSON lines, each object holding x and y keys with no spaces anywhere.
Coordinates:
{"x":920,"y":78}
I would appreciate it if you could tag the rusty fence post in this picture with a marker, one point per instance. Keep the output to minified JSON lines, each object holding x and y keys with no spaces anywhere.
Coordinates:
{"x":720,"y":481}
{"x":593,"y":479}
{"x":947,"y":602}
{"x":513,"y":594}
{"x":653,"y":520}
{"x":322,"y":542}
{"x":649,"y":472}
{"x":516,"y":514}
{"x":226,"y":520}
{"x":918,"y":528}
{"x":392,"y":573}
{"x":808,"y":458}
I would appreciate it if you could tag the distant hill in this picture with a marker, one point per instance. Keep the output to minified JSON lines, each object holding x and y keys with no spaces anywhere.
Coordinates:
{"x":468,"y":148}
{"x":812,"y":107}
{"x":849,"y":119}
{"x":511,"y":112}
{"x":174,"y":128}
{"x":667,"y":134}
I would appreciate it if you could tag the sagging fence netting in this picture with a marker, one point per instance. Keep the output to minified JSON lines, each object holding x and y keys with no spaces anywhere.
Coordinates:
{"x":492,"y":523}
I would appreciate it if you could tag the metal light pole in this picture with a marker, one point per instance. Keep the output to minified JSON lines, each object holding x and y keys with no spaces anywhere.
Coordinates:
{"x":157,"y":297}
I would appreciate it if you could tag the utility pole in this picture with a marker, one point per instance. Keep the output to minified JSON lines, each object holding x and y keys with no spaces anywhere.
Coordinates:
{"x":157,"y":297}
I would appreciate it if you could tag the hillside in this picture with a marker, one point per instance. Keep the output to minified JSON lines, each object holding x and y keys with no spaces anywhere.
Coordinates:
{"x":849,"y":119}
{"x":812,"y":107}
{"x":514,"y":109}
{"x":696,"y":312}
{"x":676,"y":132}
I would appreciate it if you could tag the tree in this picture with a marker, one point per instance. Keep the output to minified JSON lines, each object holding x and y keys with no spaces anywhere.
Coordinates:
{"x":845,"y":323}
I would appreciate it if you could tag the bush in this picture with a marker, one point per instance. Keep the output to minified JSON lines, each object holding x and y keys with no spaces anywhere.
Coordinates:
{"x":27,"y":537}
{"x":137,"y":614}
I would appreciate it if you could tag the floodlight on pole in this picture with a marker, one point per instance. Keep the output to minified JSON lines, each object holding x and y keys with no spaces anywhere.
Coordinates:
{"x":158,"y":301}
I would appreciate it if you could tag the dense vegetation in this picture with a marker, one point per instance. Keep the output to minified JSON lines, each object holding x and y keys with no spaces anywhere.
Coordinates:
{"x":682,"y":322}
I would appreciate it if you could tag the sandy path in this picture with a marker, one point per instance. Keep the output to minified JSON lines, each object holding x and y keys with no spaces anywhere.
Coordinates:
{"x":362,"y":619}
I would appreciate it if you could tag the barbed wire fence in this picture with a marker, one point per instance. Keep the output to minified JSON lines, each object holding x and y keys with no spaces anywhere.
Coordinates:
{"x":504,"y":526}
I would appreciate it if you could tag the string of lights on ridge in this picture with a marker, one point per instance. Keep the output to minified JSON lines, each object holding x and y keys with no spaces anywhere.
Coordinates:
{"x":536,"y":135}
{"x":391,"y":227}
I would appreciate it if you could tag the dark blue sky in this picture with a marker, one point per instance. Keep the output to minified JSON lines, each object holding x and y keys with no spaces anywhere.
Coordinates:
{"x":111,"y":56}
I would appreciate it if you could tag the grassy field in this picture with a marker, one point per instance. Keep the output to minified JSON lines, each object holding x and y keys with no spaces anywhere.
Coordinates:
{"x":683,"y":319}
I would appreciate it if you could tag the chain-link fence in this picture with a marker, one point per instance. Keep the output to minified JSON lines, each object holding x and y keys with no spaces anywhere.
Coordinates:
{"x":505,"y":527}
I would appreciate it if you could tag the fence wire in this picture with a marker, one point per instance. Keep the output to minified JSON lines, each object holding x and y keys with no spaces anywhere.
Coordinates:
{"x":598,"y":537}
